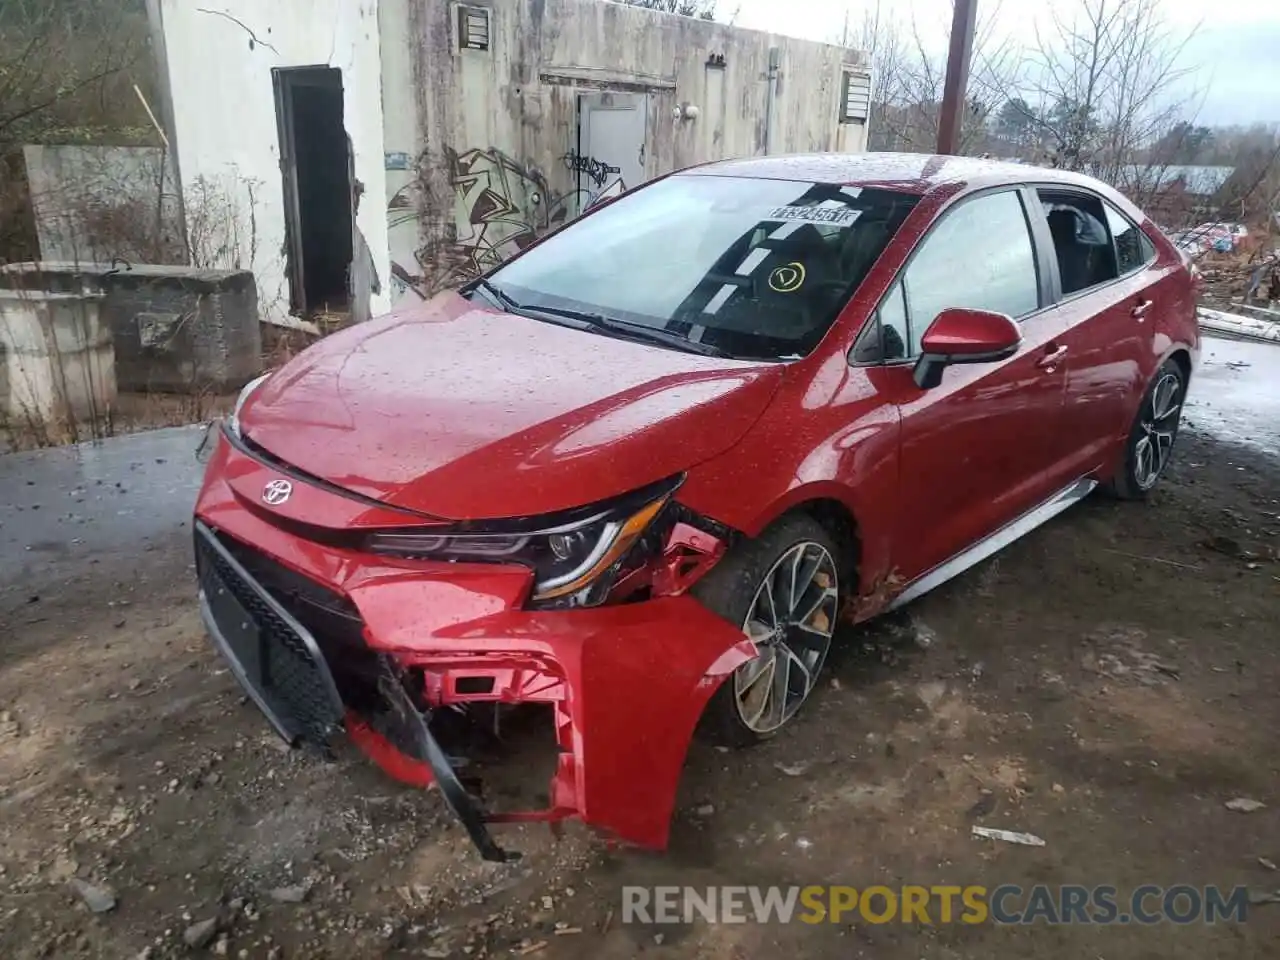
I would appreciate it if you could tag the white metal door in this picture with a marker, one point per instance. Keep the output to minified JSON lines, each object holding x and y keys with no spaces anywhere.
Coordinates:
{"x":611,"y":155}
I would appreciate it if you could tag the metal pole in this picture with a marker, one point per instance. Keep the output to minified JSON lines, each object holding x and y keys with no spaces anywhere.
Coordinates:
{"x":963,"y":19}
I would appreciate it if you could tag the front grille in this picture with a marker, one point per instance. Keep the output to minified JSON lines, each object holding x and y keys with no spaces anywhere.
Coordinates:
{"x":331,"y":619}
{"x":275,"y":656}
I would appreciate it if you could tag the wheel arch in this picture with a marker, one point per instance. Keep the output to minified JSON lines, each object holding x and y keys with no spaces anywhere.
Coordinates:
{"x":1117,"y":479}
{"x":1164,"y":350}
{"x":1181,"y":355}
{"x":834,"y":514}
{"x":837,"y":519}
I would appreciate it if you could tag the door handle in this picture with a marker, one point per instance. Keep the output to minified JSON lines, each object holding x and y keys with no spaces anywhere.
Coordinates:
{"x":1052,"y":358}
{"x":1140,"y":309}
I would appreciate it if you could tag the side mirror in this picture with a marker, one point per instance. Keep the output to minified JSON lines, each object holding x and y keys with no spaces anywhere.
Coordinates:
{"x":958,"y":335}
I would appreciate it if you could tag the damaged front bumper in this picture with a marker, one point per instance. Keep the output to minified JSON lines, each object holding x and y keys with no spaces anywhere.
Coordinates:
{"x":281,"y":667}
{"x":323,"y":639}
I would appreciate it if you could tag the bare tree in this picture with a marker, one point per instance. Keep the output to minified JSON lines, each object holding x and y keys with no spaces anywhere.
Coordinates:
{"x":1103,"y":84}
{"x":880,"y":40}
{"x":1252,"y":194}
{"x":908,"y":73}
{"x":64,"y":64}
{"x":702,"y":9}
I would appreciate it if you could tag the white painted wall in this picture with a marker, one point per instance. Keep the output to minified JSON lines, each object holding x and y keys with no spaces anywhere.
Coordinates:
{"x":218,"y":73}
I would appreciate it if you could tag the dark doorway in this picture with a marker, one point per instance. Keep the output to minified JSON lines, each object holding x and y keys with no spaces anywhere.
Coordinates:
{"x":315,"y":161}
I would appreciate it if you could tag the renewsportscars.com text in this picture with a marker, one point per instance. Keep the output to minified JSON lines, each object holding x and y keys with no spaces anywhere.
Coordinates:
{"x":936,"y":904}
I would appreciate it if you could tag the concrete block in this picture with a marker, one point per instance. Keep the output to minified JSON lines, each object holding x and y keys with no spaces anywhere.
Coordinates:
{"x":175,"y":329}
{"x":58,"y":361}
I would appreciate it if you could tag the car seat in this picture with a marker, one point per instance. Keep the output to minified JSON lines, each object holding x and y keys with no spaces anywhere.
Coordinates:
{"x":865,"y":241}
{"x":1073,"y":257}
{"x":792,"y":287}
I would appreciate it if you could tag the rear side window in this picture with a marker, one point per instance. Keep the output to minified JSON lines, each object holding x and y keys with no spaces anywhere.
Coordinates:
{"x":1081,"y":240}
{"x":1133,"y":248}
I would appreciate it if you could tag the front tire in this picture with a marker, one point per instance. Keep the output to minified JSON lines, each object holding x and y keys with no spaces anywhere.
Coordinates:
{"x":1150,"y":444}
{"x":783,"y":588}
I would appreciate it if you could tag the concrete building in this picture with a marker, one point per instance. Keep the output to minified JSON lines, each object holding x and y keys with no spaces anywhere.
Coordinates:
{"x":93,"y":203}
{"x":360,"y":152}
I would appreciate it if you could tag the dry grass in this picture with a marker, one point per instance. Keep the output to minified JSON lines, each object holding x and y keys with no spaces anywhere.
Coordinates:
{"x":134,"y":412}
{"x":131,"y":413}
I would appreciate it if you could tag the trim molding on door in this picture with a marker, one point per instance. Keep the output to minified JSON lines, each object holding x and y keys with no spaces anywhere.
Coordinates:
{"x":996,"y":542}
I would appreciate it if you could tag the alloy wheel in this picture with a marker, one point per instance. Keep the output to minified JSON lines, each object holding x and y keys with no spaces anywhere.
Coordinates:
{"x":791,"y":620}
{"x":1159,"y":425}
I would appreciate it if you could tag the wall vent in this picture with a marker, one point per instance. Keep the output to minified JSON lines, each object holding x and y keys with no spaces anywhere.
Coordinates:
{"x":855,"y":104}
{"x":473,"y":28}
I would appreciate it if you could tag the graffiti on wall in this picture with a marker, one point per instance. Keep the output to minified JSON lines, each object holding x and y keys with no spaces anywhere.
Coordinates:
{"x":597,"y":171}
{"x":496,"y":205}
{"x":499,"y":207}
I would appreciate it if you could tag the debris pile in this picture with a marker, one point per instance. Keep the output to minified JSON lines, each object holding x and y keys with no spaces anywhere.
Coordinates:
{"x":1240,"y":276}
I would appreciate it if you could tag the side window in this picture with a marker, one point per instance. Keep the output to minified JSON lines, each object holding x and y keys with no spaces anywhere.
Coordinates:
{"x":1081,"y":240}
{"x":1133,"y":249}
{"x":978,"y":256}
{"x":888,"y":336}
{"x":894,"y":332}
{"x":1148,"y":248}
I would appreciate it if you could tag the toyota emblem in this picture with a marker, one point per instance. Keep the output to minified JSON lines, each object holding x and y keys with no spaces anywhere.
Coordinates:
{"x":277,"y":492}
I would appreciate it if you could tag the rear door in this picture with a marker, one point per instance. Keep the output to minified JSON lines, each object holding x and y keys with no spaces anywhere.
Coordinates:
{"x":1107,"y":302}
{"x":981,"y":448}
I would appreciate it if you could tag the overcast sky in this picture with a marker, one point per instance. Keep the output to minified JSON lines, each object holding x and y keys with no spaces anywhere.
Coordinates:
{"x":1234,"y":46}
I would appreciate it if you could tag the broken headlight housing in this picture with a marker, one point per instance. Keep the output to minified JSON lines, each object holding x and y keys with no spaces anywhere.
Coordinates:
{"x":572,"y":555}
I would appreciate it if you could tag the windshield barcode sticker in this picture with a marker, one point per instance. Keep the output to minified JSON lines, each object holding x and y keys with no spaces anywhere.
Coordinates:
{"x":837,"y":216}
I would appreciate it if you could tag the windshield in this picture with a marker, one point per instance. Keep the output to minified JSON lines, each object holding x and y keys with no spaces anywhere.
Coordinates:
{"x":753,"y":268}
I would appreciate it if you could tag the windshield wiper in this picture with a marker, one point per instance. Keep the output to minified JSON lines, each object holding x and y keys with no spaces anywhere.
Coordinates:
{"x":504,"y":299}
{"x":598,"y":321}
{"x":635,"y":331}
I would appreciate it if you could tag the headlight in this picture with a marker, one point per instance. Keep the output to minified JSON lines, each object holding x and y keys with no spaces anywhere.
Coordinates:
{"x":233,"y":421}
{"x":566,"y":558}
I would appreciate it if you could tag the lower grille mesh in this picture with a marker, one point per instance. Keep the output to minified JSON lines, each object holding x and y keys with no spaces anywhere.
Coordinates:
{"x":285,"y":671}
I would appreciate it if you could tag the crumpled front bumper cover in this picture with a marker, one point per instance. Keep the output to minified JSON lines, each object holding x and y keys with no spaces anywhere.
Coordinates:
{"x":229,"y":599}
{"x":627,"y":684}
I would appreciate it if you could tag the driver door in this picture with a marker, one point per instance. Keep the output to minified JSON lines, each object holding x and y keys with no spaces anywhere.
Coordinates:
{"x":982,"y":447}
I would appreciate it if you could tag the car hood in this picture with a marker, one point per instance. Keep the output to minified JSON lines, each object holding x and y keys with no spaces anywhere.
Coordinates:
{"x":461,"y":412}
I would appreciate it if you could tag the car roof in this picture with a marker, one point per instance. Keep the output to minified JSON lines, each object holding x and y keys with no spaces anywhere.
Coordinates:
{"x":909,"y":172}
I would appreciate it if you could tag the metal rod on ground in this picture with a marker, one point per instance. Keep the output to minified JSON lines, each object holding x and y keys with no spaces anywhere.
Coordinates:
{"x":963,"y":19}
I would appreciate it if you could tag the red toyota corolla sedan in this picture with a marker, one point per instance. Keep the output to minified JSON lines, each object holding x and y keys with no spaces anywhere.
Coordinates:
{"x":638,"y":473}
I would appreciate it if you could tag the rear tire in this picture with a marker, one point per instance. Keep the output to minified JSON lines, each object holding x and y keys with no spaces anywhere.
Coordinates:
{"x":783,"y":589}
{"x":1148,"y":449}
